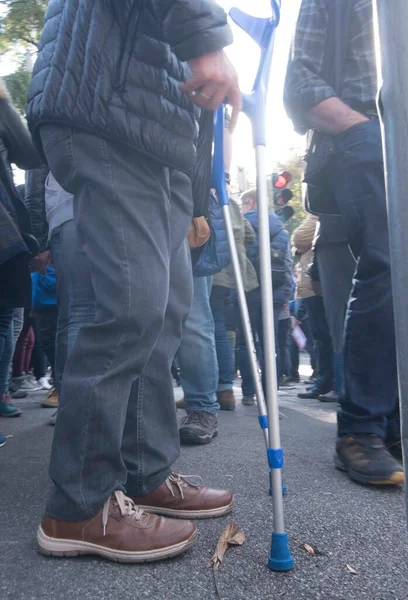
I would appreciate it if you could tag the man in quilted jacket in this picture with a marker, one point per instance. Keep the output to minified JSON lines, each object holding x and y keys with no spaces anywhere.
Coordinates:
{"x":113,"y":106}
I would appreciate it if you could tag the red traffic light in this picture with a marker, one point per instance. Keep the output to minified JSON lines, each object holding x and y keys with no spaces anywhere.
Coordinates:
{"x":280,"y":181}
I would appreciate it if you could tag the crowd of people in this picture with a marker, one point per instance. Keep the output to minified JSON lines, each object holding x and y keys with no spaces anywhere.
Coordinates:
{"x":102,"y":298}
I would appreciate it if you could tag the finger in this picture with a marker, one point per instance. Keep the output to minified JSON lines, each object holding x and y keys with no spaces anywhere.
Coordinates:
{"x":235,"y":99}
{"x":216,"y":100}
{"x":192,"y":85}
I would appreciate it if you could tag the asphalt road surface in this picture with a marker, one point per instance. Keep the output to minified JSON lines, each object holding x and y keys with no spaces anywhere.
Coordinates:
{"x":348,"y":524}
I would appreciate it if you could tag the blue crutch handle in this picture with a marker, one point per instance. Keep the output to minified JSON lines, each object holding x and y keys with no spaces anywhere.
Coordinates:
{"x":218,"y":169}
{"x":262,"y":31}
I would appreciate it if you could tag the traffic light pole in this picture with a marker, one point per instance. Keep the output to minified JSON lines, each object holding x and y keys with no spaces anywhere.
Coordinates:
{"x":391,"y":21}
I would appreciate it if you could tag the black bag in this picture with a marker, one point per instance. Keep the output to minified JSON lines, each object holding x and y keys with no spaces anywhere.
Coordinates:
{"x":278,"y":266}
{"x":277,"y":263}
{"x":318,"y":199}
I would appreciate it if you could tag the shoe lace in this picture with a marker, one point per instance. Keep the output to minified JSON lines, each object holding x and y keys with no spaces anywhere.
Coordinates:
{"x":195,"y":417}
{"x":181,"y":482}
{"x":126,"y":506}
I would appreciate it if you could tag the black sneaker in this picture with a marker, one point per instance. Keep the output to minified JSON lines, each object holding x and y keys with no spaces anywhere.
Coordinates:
{"x":287,"y":383}
{"x":367,"y":460}
{"x":198,"y":427}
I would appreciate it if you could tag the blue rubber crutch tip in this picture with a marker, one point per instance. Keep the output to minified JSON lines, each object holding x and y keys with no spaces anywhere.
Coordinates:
{"x":280,"y":558}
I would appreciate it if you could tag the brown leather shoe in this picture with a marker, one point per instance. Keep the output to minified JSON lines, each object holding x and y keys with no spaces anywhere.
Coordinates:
{"x":51,"y":400}
{"x":181,"y":403}
{"x":226,"y":400}
{"x":178,"y":497}
{"x":120,"y":532}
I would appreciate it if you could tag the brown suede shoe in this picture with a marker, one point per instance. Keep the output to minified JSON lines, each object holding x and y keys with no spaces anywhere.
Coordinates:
{"x":120,"y":532}
{"x":51,"y":400}
{"x":226,"y":400}
{"x":178,"y":497}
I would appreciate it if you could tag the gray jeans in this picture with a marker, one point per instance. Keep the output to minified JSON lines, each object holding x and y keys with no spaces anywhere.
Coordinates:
{"x":117,"y":426}
{"x":336,"y":270}
{"x":75,"y":295}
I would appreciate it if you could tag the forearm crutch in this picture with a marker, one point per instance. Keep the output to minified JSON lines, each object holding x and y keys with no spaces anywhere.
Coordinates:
{"x":263,"y":32}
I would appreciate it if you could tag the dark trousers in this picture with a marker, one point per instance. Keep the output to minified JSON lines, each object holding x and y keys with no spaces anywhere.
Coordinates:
{"x":218,"y":301}
{"x":321,"y":334}
{"x":283,"y":342}
{"x":46,"y":319}
{"x":370,"y":404}
{"x":255,"y":315}
{"x":117,"y":425}
{"x":38,"y":358}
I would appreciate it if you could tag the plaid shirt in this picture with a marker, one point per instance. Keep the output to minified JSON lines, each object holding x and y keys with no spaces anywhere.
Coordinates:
{"x":304,"y":86}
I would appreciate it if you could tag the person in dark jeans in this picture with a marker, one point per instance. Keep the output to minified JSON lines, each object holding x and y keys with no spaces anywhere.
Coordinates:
{"x":368,"y":445}
{"x":321,"y":335}
{"x":121,"y":140}
{"x":281,"y":294}
{"x":45,"y":317}
{"x":299,"y":312}
{"x":218,"y":301}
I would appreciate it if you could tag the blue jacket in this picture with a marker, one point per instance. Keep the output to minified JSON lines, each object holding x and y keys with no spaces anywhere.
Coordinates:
{"x":280,"y":237}
{"x":114,"y":68}
{"x":44,"y":288}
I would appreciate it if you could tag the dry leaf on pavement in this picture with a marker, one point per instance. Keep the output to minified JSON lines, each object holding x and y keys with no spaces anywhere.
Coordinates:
{"x":352,"y":571}
{"x":309,"y":549}
{"x":230,"y":536}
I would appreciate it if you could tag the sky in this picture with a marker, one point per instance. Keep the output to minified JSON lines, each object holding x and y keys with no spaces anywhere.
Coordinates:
{"x":244,"y":54}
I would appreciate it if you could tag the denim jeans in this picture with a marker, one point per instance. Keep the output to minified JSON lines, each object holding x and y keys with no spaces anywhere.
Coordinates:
{"x":370,"y":404}
{"x":255,"y":315}
{"x":76,"y":298}
{"x":218,"y":301}
{"x":197,"y":356}
{"x":117,"y":425}
{"x":6,"y":347}
{"x":321,"y":334}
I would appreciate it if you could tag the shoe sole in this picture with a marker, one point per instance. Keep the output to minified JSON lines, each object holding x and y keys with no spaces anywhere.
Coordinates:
{"x":397,"y":478}
{"x":46,"y":405}
{"x":190,"y":438}
{"x":70,"y":548}
{"x":332,"y":400}
{"x":212,"y":513}
{"x":2,"y":444}
{"x":227,"y":407}
{"x":13,"y":415}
